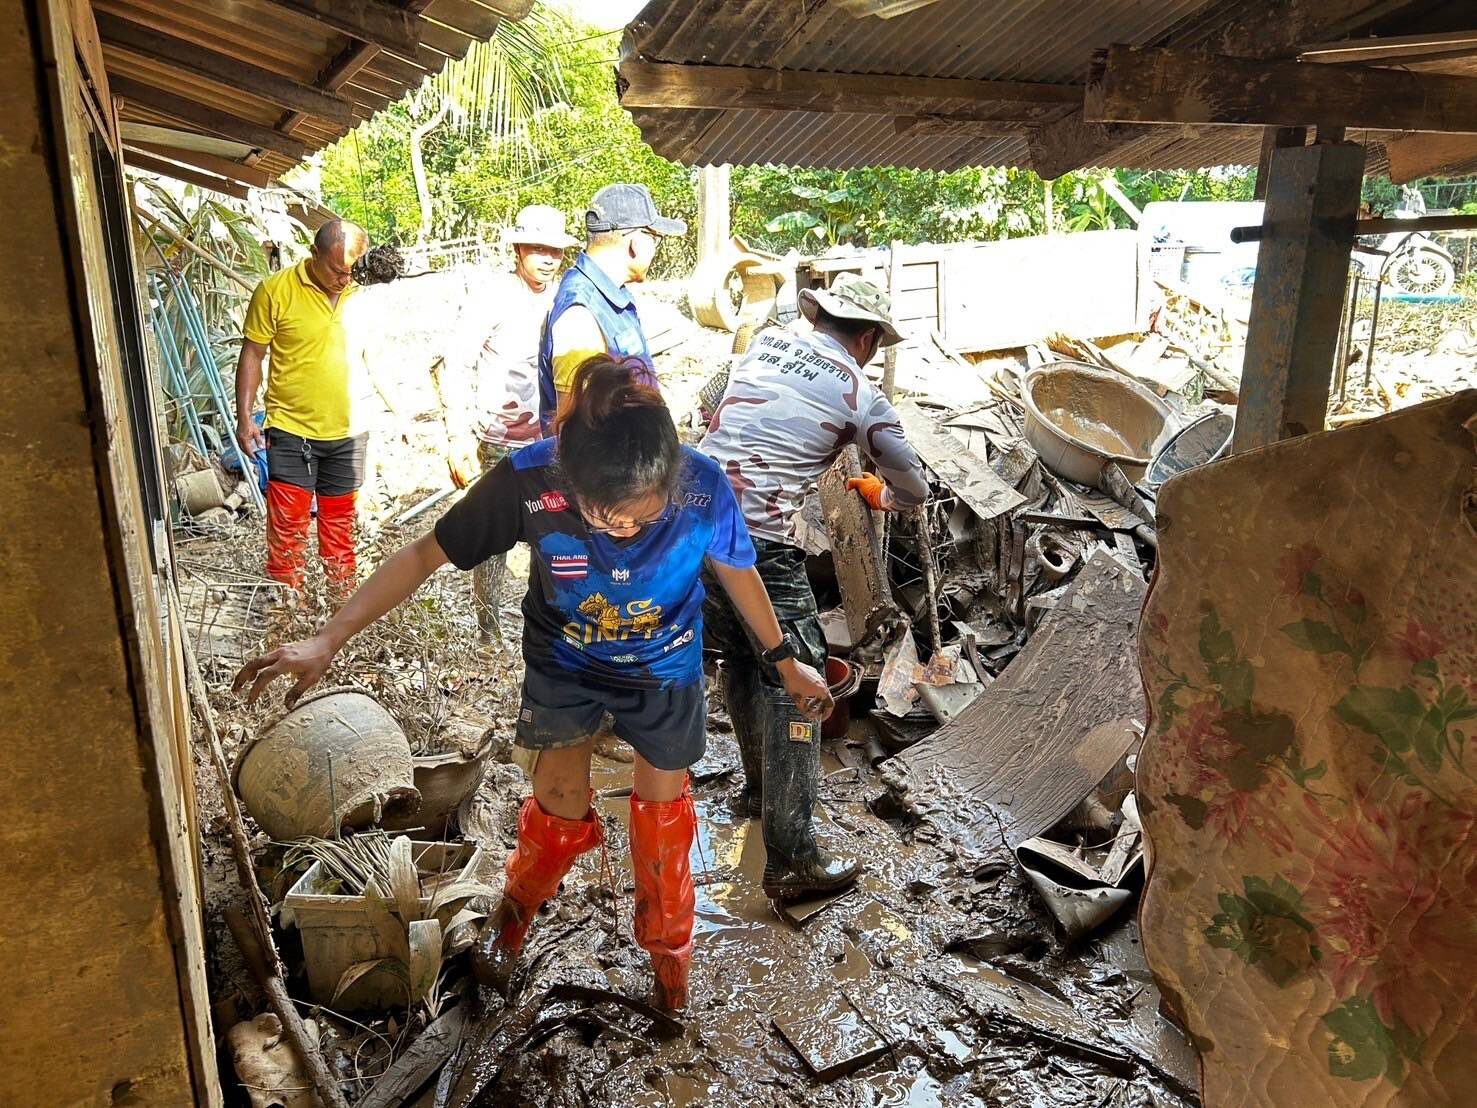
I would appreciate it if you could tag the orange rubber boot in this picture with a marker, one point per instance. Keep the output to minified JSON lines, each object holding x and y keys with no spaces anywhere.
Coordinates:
{"x":289,"y":510}
{"x":547,"y":847}
{"x":661,"y":841}
{"x":336,"y":543}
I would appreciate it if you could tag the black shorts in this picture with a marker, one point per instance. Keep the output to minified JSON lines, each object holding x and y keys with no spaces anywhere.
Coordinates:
{"x":331,"y":468}
{"x":667,"y":727}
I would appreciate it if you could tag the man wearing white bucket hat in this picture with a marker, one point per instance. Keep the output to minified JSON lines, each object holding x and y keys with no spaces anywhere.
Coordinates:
{"x":499,"y":408}
{"x":794,"y":402}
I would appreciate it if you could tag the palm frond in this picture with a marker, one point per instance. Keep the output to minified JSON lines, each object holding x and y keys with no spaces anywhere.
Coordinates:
{"x":502,"y":84}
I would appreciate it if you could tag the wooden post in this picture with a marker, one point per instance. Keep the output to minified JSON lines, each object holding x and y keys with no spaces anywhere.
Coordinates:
{"x":1302,"y":270}
{"x":894,"y":286}
{"x":713,"y":228}
{"x":1275,"y":138}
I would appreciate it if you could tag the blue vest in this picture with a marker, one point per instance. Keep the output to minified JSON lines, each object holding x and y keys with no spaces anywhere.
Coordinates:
{"x":586,"y":284}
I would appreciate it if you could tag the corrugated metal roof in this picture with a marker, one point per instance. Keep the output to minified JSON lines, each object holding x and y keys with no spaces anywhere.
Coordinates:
{"x":1047,"y":41}
{"x":273,"y":37}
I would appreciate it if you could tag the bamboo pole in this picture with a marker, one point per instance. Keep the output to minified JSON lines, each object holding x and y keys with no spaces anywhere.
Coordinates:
{"x":174,"y":236}
{"x":253,"y":932}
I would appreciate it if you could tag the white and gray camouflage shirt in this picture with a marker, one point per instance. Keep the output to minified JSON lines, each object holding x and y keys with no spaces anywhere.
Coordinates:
{"x":794,"y":402}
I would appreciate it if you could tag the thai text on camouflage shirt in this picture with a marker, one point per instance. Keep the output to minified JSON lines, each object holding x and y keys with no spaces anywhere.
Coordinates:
{"x":793,"y":403}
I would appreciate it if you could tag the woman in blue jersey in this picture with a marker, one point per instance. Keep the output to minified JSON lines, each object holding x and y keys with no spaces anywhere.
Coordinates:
{"x":620,"y":519}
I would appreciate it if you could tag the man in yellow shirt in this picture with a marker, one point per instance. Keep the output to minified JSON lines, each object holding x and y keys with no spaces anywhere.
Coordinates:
{"x":310,"y":436}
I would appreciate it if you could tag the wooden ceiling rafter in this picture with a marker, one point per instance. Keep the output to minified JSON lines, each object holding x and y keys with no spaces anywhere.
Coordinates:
{"x":135,"y":160}
{"x":649,"y":84}
{"x":229,"y":72}
{"x":377,"y":22}
{"x":221,"y":167}
{"x":348,"y":64}
{"x":210,"y":117}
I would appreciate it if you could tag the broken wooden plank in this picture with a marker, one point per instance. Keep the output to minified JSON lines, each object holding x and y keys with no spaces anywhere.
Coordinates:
{"x":866,"y":594}
{"x":1135,"y":84}
{"x":968,"y":476}
{"x":1057,"y":719}
{"x":412,"y":1070}
{"x":833,"y":1038}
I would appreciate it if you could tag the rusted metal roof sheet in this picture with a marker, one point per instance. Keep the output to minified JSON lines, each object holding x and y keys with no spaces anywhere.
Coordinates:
{"x":1006,"y":40}
{"x":277,"y":36}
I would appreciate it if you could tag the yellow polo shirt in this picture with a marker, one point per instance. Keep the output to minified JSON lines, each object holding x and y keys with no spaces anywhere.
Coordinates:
{"x":309,"y":391}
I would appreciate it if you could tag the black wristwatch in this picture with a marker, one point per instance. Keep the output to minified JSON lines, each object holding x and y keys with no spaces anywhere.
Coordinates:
{"x":785,"y":651}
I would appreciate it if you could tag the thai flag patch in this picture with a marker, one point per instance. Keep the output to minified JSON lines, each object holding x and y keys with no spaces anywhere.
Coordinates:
{"x":569,"y":567}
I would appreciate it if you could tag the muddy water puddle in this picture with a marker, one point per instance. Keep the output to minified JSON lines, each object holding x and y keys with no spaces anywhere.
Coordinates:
{"x":862,"y":994}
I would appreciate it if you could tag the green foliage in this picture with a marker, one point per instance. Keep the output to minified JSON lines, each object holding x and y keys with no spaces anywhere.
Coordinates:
{"x":479,"y":178}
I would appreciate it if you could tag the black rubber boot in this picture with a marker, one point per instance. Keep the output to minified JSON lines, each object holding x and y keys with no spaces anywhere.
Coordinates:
{"x":795,"y":866}
{"x":742,"y":695}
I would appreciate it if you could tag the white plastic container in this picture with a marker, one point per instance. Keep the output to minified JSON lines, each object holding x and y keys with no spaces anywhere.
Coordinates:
{"x":339,"y":932}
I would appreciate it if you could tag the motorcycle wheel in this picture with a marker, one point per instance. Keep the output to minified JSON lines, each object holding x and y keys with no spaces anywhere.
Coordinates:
{"x":1422,"y":273}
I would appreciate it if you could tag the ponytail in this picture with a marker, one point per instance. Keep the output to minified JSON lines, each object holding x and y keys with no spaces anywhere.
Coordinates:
{"x":616,"y":437}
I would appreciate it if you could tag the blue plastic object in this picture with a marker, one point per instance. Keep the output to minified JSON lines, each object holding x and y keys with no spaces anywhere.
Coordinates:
{"x":230,"y":457}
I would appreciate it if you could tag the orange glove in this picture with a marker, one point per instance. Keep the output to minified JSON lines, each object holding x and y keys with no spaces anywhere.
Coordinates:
{"x":871,"y":489}
{"x":461,"y":461}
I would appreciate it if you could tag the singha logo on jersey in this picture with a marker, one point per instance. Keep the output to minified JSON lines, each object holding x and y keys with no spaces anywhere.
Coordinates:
{"x":550,"y":502}
{"x":606,"y":622}
{"x":620,"y":576}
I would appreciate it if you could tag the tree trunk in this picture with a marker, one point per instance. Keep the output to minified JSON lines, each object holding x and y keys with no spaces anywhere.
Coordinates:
{"x":418,"y":132}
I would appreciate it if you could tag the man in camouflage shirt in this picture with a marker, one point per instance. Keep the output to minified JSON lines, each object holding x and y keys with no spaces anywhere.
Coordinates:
{"x":793,"y":403}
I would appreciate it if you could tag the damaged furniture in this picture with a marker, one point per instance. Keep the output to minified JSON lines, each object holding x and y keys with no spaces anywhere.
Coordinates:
{"x":1308,"y":651}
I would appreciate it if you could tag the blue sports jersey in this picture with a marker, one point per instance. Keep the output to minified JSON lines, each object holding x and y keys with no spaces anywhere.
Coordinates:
{"x":624,"y":612}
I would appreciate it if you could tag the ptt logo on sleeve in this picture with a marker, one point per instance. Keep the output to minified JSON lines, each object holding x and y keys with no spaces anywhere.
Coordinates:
{"x":569,"y":567}
{"x":550,"y":502}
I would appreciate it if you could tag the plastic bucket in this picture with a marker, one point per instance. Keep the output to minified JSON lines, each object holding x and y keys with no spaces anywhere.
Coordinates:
{"x":843,"y":678}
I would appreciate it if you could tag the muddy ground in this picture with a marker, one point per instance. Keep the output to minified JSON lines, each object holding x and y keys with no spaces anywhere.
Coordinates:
{"x":940,"y":971}
{"x":940,"y":964}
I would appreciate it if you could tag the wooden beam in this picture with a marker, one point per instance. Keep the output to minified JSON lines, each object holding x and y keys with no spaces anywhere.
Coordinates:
{"x":1393,"y":49}
{"x":372,"y":21}
{"x":134,"y":160}
{"x":210,"y":118}
{"x":1147,"y":85}
{"x":221,"y":167}
{"x":1415,"y":156}
{"x":145,"y":42}
{"x":1298,"y":298}
{"x":1275,"y":138}
{"x":1246,"y":29}
{"x":647,"y":84}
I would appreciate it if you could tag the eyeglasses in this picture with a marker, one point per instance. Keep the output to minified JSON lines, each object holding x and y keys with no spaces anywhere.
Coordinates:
{"x":634,"y":525}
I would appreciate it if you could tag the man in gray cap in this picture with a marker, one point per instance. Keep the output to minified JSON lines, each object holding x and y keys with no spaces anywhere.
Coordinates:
{"x":496,"y":407}
{"x":793,"y":403}
{"x":593,"y":311}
